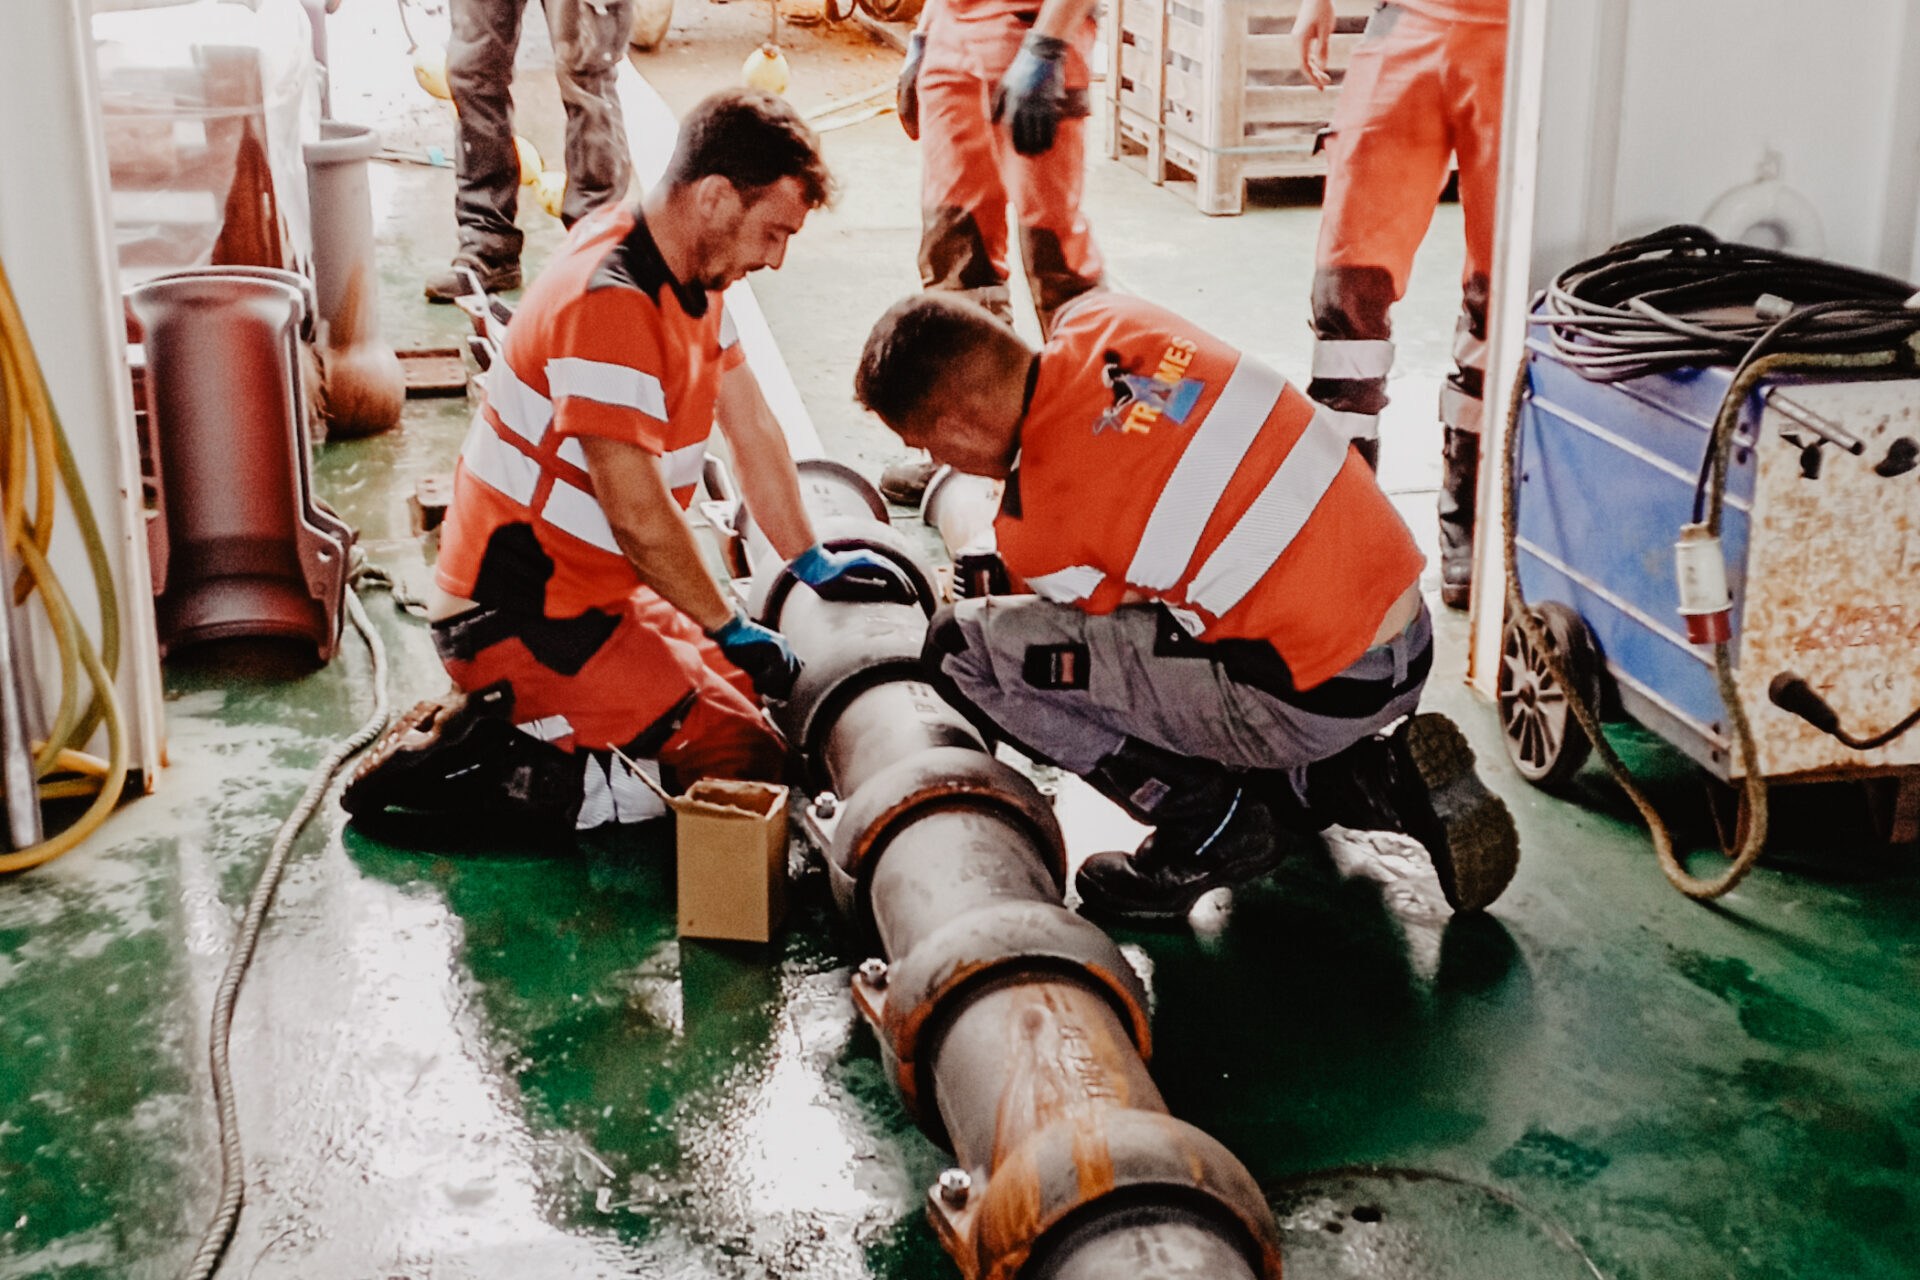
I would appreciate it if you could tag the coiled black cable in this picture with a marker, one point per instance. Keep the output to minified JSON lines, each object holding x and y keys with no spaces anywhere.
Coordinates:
{"x":1680,"y":297}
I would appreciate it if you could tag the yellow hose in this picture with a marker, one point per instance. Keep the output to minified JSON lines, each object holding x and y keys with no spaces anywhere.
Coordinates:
{"x":35,"y":449}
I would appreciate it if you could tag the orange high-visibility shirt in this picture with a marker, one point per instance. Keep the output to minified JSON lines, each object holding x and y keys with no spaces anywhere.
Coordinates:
{"x":1158,"y":462}
{"x":606,"y":343}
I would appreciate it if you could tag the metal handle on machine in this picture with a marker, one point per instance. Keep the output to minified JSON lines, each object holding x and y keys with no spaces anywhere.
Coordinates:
{"x":1826,"y":428}
{"x":1791,"y":693}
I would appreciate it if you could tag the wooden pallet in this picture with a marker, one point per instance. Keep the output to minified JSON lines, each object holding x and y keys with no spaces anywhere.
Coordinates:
{"x":1211,"y":89}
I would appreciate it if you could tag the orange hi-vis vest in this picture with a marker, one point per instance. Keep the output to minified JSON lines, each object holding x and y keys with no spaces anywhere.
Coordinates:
{"x":605,"y":343}
{"x":1157,"y":462}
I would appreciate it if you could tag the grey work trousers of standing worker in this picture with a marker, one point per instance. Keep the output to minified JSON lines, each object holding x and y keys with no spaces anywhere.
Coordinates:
{"x":1074,"y":686}
{"x":589,"y":39}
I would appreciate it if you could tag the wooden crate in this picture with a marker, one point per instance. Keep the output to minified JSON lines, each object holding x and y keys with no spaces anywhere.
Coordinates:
{"x":1211,"y":89}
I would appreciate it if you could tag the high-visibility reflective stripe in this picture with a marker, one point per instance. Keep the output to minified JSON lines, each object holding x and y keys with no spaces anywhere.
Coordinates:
{"x":1064,"y":586}
{"x":728,"y":334}
{"x":547,"y":728}
{"x":616,"y":384}
{"x":1352,"y":358}
{"x":522,"y":410}
{"x":1459,"y":410}
{"x":1355,"y":426}
{"x":1211,"y":457}
{"x":570,"y":451}
{"x":682,"y":467}
{"x":1273,"y":521}
{"x":497,"y":464}
{"x":574,"y":511}
{"x":1468,"y":351}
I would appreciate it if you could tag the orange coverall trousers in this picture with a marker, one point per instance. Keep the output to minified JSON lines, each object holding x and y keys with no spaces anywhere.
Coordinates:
{"x":1418,"y":91}
{"x":970,"y":172}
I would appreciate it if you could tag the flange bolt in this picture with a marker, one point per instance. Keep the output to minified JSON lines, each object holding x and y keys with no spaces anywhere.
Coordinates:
{"x":955,"y":1186}
{"x":874,"y":971}
{"x":825,"y":804}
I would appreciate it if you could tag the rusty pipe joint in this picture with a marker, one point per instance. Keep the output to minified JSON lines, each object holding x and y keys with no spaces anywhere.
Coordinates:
{"x":1072,"y":1185}
{"x":892,"y":800}
{"x":926,"y":991}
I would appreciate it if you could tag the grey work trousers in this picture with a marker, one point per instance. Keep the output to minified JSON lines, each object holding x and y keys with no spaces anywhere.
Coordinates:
{"x":589,"y":39}
{"x":1008,"y":648}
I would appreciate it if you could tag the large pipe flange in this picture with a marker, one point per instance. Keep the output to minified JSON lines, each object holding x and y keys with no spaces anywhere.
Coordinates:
{"x":886,"y":802}
{"x":773,"y":582}
{"x":829,"y":490}
{"x":873,"y":644}
{"x":1045,"y":1199}
{"x":926,"y":989}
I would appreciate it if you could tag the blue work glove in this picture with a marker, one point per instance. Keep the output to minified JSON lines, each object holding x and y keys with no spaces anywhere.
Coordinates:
{"x":851,"y":577}
{"x":761,"y":652}
{"x":906,"y":98}
{"x":1033,"y":95}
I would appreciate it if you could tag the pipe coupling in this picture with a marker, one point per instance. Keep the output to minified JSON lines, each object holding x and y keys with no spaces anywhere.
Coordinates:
{"x":926,"y":989}
{"x":1102,"y":1161}
{"x":877,"y":644}
{"x":886,"y":803}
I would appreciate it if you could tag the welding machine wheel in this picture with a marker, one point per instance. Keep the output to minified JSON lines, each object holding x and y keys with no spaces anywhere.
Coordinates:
{"x":1546,"y":742}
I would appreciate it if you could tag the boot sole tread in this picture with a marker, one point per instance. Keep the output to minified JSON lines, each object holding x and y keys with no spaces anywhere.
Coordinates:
{"x":1483,"y":845}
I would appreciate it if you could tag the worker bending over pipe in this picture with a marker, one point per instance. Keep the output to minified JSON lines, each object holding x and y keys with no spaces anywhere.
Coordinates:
{"x":1226,"y":633}
{"x":572,"y":607}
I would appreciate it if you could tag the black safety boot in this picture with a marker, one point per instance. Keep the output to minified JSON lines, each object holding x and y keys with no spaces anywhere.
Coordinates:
{"x":1420,"y":781}
{"x":1209,"y":831}
{"x":906,"y":482}
{"x":1459,"y":478}
{"x":459,"y":279}
{"x":460,"y":759}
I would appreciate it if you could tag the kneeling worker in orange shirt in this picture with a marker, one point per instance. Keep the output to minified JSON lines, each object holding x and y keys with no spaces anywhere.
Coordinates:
{"x":572,"y":608}
{"x":1226,"y":631}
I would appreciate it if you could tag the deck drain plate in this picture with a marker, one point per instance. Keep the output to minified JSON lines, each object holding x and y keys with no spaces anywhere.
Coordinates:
{"x":1417,"y":1225}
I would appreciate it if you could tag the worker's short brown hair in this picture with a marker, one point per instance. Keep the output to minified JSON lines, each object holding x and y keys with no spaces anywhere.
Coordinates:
{"x":920,"y":344}
{"x":752,"y":139}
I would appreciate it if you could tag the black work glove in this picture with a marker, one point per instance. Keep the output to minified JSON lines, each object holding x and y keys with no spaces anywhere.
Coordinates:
{"x":906,"y":98}
{"x":761,"y":652}
{"x":1032,"y":96}
{"x":980,"y":573}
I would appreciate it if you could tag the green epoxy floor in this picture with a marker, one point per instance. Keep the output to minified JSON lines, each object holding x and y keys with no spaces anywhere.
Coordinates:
{"x":498,"y":1062}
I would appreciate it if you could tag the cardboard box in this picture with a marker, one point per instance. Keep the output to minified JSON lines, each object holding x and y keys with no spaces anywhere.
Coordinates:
{"x":732,"y":853}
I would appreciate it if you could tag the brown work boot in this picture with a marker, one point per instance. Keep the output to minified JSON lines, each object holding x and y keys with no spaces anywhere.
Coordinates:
{"x":459,"y":758}
{"x":1209,"y":831}
{"x":1420,"y":781}
{"x":469,"y":275}
{"x":906,"y":482}
{"x":1459,"y":480}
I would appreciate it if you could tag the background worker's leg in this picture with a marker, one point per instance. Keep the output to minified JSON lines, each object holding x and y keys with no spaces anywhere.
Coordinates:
{"x":486,"y":168}
{"x":963,"y":203}
{"x":1386,"y":166}
{"x":589,"y":39}
{"x":1474,"y":88}
{"x":1056,"y":243}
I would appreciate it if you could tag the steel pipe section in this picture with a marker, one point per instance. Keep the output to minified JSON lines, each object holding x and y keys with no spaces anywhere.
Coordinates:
{"x":1016,"y":1032}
